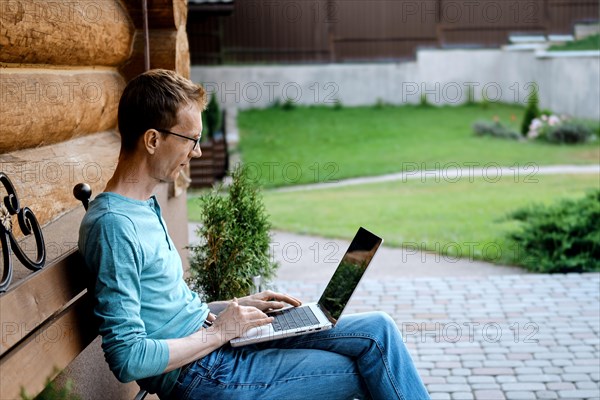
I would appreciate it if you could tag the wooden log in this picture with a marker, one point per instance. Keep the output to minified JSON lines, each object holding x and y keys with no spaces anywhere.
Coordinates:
{"x":40,"y":107}
{"x":169,"y":49}
{"x":44,"y":177}
{"x":162,"y":14}
{"x":65,"y":32}
{"x":182,"y":61}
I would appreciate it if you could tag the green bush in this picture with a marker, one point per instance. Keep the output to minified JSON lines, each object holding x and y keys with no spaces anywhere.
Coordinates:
{"x":288,"y":105}
{"x":379,"y":104}
{"x":53,"y":392}
{"x":276,"y":104}
{"x":338,"y":105}
{"x":424,"y":101}
{"x":470,"y":96}
{"x":531,"y":112}
{"x":213,"y":118}
{"x":569,"y":133}
{"x":564,"y":237}
{"x":495,"y":129}
{"x":234,"y":242}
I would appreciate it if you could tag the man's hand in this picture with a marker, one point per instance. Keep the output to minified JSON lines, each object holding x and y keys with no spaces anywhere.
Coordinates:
{"x":269,"y":300}
{"x":237,"y":319}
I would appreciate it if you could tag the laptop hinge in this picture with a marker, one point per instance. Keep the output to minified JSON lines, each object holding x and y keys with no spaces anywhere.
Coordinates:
{"x":328,"y":315}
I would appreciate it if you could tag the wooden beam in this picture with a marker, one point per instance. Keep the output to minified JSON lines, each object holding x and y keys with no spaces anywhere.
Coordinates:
{"x":162,"y":14}
{"x":182,"y":58}
{"x":65,"y":33}
{"x":41,"y":107}
{"x":44,"y":177}
{"x":169,"y":49}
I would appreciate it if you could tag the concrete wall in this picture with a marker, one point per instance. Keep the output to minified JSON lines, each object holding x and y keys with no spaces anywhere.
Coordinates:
{"x":566,"y":85}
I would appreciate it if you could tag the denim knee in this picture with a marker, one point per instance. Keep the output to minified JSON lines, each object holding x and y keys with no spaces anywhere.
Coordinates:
{"x":381,"y":318}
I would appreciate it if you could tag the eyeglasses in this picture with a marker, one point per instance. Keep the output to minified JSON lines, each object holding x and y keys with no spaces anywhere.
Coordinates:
{"x":196,"y":141}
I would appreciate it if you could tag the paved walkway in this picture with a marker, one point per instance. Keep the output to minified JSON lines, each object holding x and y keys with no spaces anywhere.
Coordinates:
{"x":475,"y":330}
{"x":491,"y":172}
{"x":497,"y":337}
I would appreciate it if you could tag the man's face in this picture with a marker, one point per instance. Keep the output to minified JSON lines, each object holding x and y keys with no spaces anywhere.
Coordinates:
{"x":175,"y":152}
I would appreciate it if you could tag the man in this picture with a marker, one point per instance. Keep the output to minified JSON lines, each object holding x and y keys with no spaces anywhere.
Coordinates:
{"x":156,"y":331}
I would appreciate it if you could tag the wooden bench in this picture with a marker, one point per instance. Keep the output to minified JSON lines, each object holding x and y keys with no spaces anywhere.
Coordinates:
{"x":46,"y":318}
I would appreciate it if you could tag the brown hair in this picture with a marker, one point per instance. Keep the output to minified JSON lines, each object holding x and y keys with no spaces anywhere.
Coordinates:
{"x":152,"y":100}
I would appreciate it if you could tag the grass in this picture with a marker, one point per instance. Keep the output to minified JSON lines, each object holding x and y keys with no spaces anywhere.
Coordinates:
{"x":321,"y":144}
{"x":589,"y":43}
{"x":465,"y":218}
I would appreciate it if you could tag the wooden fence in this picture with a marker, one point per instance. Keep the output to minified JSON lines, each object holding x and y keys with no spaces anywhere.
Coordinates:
{"x":309,"y":31}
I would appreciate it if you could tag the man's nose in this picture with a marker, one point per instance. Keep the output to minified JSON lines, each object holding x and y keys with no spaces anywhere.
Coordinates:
{"x":197,"y":152}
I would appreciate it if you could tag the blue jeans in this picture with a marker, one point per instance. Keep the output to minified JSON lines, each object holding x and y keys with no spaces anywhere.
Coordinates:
{"x":362,"y":357}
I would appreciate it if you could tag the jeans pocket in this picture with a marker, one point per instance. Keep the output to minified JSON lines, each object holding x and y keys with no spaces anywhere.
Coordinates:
{"x":210,"y":362}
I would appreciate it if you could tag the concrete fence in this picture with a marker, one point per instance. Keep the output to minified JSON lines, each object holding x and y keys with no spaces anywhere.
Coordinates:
{"x":566,"y":85}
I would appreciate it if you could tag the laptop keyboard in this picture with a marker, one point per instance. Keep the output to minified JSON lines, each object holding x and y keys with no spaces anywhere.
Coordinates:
{"x":291,"y":318}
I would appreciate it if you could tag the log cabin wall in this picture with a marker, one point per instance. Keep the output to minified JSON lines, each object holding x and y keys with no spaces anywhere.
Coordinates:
{"x":63,"y":66}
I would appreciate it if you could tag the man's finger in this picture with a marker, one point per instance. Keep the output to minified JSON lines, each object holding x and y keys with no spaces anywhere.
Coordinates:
{"x":263,"y":321}
{"x":252,"y":311}
{"x":288,"y":299}
{"x":275,"y":305}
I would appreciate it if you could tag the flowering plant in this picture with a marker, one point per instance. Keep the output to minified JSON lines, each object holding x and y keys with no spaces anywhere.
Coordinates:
{"x":539,"y":127}
{"x":495,"y":129}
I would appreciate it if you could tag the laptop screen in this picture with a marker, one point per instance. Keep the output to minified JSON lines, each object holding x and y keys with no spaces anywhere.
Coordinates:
{"x":349,"y":272}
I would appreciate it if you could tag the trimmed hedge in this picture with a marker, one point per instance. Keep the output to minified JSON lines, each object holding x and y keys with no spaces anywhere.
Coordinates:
{"x":564,"y":237}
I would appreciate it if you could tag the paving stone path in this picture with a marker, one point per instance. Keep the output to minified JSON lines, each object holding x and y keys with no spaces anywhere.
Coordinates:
{"x":498,"y":337}
{"x":475,"y":330}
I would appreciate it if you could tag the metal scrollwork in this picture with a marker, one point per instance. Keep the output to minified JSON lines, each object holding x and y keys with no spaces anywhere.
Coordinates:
{"x":28,"y":224}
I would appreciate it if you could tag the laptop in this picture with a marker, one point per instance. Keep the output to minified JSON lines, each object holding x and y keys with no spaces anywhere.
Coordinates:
{"x":324,"y":314}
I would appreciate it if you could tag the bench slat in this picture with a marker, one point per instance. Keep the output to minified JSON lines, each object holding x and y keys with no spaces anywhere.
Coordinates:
{"x":42,"y":355}
{"x":30,"y":303}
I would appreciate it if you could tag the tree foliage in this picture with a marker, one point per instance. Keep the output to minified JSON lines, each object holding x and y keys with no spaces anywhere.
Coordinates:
{"x":234,"y":242}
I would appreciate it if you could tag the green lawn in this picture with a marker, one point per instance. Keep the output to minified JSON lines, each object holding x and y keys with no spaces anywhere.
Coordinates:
{"x":316,"y":144}
{"x":464,"y":218}
{"x":589,"y":43}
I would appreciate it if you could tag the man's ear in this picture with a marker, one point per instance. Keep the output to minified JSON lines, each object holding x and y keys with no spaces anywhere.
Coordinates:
{"x":151,"y":140}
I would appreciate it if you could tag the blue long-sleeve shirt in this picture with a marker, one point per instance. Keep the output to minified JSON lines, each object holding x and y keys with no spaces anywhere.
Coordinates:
{"x":141,"y":297}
